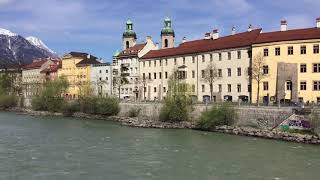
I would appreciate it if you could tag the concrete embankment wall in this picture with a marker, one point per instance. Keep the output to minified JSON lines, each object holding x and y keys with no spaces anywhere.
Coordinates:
{"x":265,"y":117}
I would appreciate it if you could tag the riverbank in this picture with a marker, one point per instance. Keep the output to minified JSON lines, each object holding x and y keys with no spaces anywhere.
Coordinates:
{"x":148,"y":123}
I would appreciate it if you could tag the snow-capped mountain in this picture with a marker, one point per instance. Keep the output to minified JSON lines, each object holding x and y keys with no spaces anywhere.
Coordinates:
{"x":37,"y":42}
{"x":15,"y":49}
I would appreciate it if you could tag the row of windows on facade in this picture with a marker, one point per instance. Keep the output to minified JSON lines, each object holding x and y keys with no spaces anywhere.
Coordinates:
{"x":107,"y":71}
{"x":193,"y":59}
{"x":316,"y":68}
{"x":100,"y":78}
{"x":303,"y":50}
{"x":183,"y":74}
{"x":303,"y":86}
{"x":203,"y":88}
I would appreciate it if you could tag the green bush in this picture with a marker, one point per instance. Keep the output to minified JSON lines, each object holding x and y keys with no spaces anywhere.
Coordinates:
{"x":69,"y":108}
{"x":134,"y":112}
{"x":7,"y":101}
{"x":107,"y":106}
{"x":52,"y":104}
{"x":218,"y":115}
{"x":176,"y":109}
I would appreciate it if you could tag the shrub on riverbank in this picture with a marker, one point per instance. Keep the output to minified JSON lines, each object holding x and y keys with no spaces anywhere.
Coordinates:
{"x":7,"y":101}
{"x":176,"y":109}
{"x":218,"y":115}
{"x":69,"y":108}
{"x":108,"y":106}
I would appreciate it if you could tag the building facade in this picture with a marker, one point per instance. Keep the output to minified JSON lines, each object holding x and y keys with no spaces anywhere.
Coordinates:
{"x":231,"y":55}
{"x":101,"y":79}
{"x":126,"y":69}
{"x":291,"y":65}
{"x":76,"y":67}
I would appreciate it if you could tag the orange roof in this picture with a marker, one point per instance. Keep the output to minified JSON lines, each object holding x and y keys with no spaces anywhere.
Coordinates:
{"x":289,"y":35}
{"x":204,"y":45}
{"x":132,"y":51}
{"x":35,"y":64}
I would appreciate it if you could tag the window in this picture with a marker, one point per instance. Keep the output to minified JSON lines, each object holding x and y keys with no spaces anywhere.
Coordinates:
{"x":290,"y":50}
{"x":239,"y":71}
{"x":166,"y":43}
{"x":100,"y":71}
{"x":175,"y":61}
{"x":277,"y":51}
{"x":220,"y":72}
{"x":303,"y":85}
{"x":149,"y":63}
{"x":160,"y":75}
{"x":107,"y":71}
{"x":144,"y":64}
{"x":289,"y":85}
{"x":239,"y":54}
{"x":202,"y":73}
{"x":239,"y":87}
{"x":203,"y":58}
{"x":303,"y":68}
{"x":229,"y":72}
{"x":316,"y":85}
{"x":155,"y":89}
{"x":149,"y":75}
{"x":265,"y":86}
{"x":166,"y":62}
{"x":229,"y":87}
{"x":266,"y":52}
{"x":193,"y":88}
{"x":193,"y":74}
{"x":193,"y":59}
{"x":220,"y":56}
{"x":184,"y":60}
{"x":154,"y":75}
{"x":127,"y":44}
{"x":164,"y":89}
{"x":316,"y":49}
{"x":166,"y":75}
{"x":203,"y":88}
{"x":144,"y":75}
{"x":316,"y":68}
{"x":265,"y":69}
{"x":229,"y":55}
{"x":303,"y":49}
{"x":160,"y":62}
{"x":211,"y":57}
{"x":155,"y":63}
{"x":100,"y":79}
{"x":182,"y":75}
{"x":220,"y":87}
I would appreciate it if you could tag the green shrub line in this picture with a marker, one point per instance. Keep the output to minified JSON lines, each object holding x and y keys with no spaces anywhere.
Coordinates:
{"x":7,"y":101}
{"x":176,"y":109}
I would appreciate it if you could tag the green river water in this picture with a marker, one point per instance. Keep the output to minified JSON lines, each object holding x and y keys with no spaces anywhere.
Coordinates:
{"x":56,"y":148}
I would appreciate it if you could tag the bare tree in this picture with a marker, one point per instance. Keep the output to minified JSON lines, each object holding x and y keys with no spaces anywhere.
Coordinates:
{"x":143,"y":82}
{"x":256,"y":72}
{"x":210,"y":76}
{"x":121,"y":79}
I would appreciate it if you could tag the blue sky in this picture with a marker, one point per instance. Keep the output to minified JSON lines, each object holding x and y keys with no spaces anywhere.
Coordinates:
{"x":96,"y":26}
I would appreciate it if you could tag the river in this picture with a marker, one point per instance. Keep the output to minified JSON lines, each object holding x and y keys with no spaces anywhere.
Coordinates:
{"x":56,"y":148}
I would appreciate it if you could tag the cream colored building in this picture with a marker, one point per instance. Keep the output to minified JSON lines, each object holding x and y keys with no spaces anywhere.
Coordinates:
{"x":292,"y":65}
{"x":230,"y":54}
{"x":126,"y":64}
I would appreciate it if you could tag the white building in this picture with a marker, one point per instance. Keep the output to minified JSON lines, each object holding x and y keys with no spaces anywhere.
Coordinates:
{"x":101,"y":79}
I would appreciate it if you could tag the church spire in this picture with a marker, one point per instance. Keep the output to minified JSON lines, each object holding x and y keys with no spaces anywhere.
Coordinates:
{"x":167,"y":34}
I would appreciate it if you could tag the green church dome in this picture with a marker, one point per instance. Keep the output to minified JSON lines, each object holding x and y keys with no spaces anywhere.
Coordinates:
{"x":167,"y":30}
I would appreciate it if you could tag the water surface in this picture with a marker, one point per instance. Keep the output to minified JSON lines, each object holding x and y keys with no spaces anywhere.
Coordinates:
{"x":56,"y":148}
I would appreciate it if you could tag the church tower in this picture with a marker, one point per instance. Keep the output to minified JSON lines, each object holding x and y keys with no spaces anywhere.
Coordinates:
{"x":129,"y":36}
{"x":167,"y":35}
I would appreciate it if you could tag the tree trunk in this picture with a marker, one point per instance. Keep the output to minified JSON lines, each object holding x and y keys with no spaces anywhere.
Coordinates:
{"x":119,"y":92}
{"x":258,"y":93}
{"x":211,"y":92}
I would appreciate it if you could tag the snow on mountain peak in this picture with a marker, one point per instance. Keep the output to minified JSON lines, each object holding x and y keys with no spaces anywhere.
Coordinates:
{"x":37,"y":42}
{"x":6,"y":32}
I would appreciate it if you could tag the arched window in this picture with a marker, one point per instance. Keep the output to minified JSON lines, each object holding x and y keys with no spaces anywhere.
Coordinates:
{"x":166,"y":43}
{"x":127,"y":44}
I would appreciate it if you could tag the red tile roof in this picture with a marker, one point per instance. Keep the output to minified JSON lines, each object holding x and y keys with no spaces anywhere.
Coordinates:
{"x":289,"y":35}
{"x":52,"y":67}
{"x":132,"y":51}
{"x":35,"y":64}
{"x":204,"y":45}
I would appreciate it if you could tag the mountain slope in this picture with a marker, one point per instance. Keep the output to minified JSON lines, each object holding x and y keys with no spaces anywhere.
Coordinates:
{"x":37,"y":42}
{"x":15,"y":49}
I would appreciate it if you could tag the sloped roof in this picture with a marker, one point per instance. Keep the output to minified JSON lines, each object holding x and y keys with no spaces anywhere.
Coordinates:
{"x":88,"y":61}
{"x":35,"y":64}
{"x":289,"y":35}
{"x":132,"y":51}
{"x":204,"y":45}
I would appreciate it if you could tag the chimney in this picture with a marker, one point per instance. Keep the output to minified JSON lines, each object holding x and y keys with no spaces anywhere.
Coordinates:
{"x":157,"y":45}
{"x":233,"y":30}
{"x":318,"y":22}
{"x":215,"y":34}
{"x":250,"y":28}
{"x":88,"y":56}
{"x":284,"y":25}
{"x":184,"y":39}
{"x":148,"y":39}
{"x":207,"y":35}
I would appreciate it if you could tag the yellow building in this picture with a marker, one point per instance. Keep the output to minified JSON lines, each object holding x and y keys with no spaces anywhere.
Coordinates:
{"x":76,"y":67}
{"x":291,"y":65}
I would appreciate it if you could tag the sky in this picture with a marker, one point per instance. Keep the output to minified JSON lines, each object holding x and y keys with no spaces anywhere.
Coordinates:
{"x":96,"y":26}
